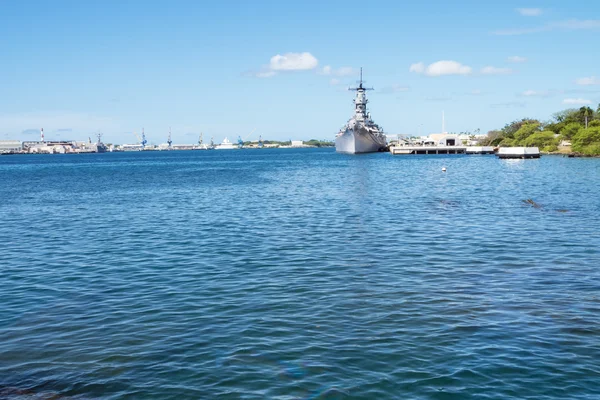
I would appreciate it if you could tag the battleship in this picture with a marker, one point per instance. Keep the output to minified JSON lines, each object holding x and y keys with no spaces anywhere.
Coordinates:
{"x":360,"y":134}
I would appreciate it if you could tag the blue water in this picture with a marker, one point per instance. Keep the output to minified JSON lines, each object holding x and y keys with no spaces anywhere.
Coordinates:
{"x":298,"y":274}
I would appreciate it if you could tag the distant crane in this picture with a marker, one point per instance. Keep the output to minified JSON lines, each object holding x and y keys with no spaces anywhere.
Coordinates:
{"x":144,"y":141}
{"x":260,"y":142}
{"x":241,"y":142}
{"x":141,"y":140}
{"x":200,"y":139}
{"x":169,"y":141}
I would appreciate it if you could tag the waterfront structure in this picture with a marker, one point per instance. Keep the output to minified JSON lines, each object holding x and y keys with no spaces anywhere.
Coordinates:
{"x":518,"y":152}
{"x":10,"y":146}
{"x":360,"y":134}
{"x":405,"y":150}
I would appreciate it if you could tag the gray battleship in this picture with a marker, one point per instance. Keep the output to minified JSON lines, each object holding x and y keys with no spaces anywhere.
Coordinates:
{"x":360,"y":134}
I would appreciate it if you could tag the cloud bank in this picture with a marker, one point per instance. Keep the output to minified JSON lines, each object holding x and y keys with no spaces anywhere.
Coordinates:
{"x":441,"y":68}
{"x":287,"y":62}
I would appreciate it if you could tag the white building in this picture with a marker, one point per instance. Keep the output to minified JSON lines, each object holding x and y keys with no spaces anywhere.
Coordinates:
{"x":297,"y":143}
{"x":10,"y":146}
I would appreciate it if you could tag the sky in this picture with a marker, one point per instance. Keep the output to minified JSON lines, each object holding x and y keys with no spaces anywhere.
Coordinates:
{"x":281,"y":69}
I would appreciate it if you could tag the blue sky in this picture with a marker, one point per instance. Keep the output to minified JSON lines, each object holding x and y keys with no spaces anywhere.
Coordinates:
{"x":225,"y":68}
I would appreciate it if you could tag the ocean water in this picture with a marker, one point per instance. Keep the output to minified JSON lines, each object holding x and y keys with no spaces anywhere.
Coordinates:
{"x":298,"y":274}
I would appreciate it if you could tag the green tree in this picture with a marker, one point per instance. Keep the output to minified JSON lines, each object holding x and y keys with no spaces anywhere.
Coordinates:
{"x":587,"y":141}
{"x":570,"y":130}
{"x":526,"y":130}
{"x":509,"y":130}
{"x":565,"y":116}
{"x":546,"y":141}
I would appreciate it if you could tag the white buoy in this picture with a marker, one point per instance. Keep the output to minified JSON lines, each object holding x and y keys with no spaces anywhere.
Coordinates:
{"x":443,"y":169}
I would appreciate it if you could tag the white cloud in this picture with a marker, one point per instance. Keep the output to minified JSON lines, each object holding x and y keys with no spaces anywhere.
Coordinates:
{"x":496,"y":71}
{"x":576,"y":101}
{"x":517,"y":59}
{"x":592,"y":80}
{"x":334,"y":81}
{"x":441,"y":68}
{"x":293,"y":62}
{"x":568,"y":25}
{"x":530,"y":12}
{"x":475,"y":92}
{"x":326,"y":70}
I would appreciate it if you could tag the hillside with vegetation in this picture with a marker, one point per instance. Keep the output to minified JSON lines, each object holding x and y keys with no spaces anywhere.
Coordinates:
{"x":578,"y":127}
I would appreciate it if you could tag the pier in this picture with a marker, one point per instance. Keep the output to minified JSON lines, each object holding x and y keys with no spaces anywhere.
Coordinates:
{"x":406,"y":150}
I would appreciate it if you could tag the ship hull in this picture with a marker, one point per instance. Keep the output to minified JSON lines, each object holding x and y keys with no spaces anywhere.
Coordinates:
{"x":357,"y":141}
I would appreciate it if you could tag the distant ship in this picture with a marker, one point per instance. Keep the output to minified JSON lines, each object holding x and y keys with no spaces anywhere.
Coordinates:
{"x":360,"y":134}
{"x":201,"y":145}
{"x":225,"y":145}
{"x":100,"y":147}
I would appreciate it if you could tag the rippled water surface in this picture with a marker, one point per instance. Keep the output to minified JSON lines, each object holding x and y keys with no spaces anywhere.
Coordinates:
{"x":298,"y":274}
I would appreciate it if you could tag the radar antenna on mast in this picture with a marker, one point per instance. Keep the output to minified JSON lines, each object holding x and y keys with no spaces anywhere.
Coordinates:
{"x":360,"y":83}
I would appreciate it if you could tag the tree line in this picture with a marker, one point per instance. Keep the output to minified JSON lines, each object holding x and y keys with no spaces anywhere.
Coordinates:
{"x":580,"y":127}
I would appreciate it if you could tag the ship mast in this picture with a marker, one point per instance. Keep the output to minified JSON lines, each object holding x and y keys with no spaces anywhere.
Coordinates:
{"x":360,"y":102}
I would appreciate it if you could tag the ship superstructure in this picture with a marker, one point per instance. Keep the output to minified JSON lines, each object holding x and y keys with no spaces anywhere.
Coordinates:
{"x":360,"y":134}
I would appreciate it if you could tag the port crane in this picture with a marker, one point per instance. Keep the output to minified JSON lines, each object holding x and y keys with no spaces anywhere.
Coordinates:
{"x":141,"y":140}
{"x":241,"y":142}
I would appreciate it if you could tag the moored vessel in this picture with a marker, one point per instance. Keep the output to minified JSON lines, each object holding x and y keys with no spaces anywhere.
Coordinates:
{"x":225,"y":145}
{"x":360,"y":134}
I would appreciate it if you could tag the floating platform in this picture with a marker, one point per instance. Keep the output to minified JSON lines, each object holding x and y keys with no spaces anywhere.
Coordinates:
{"x":406,"y":150}
{"x":480,"y":150}
{"x":518,"y":152}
